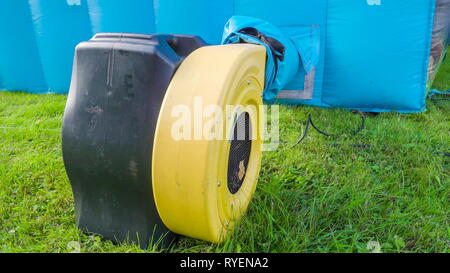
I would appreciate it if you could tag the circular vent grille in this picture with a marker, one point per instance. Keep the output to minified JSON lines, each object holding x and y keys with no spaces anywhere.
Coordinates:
{"x":240,"y":148}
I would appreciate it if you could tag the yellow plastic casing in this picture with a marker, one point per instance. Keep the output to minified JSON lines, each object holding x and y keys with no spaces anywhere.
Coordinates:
{"x":190,"y":176}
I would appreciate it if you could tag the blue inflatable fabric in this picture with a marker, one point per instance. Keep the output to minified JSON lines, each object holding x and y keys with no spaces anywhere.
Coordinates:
{"x":280,"y":70}
{"x":372,"y":55}
{"x":300,"y":52}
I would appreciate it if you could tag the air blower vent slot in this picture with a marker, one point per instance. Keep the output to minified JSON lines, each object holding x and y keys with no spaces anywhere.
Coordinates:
{"x":240,"y":148}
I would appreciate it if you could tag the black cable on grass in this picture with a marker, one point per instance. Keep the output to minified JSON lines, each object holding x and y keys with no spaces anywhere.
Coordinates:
{"x":442,"y":153}
{"x":445,"y":95}
{"x":305,"y":133}
{"x":310,"y":122}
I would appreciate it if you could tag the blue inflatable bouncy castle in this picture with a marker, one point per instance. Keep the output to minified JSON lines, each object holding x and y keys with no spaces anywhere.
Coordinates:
{"x":370,"y":55}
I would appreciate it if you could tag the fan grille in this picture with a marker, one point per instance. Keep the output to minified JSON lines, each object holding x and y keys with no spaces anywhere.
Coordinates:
{"x":240,"y":148}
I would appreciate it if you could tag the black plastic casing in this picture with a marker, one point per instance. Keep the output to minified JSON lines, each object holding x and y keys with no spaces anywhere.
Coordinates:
{"x":118,"y":85}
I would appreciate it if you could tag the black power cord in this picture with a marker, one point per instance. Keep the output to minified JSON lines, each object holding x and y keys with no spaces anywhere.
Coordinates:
{"x":310,"y":122}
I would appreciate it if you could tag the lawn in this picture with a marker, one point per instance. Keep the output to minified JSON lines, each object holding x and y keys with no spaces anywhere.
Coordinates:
{"x":315,"y":197}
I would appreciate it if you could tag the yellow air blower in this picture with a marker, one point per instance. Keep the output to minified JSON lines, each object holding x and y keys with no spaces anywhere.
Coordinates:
{"x":203,"y":187}
{"x":161,"y":135}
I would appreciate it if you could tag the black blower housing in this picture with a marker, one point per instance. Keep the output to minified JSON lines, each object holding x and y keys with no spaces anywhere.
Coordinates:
{"x":118,"y":85}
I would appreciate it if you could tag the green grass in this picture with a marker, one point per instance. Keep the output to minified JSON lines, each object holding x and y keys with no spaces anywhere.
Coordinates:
{"x":311,"y":198}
